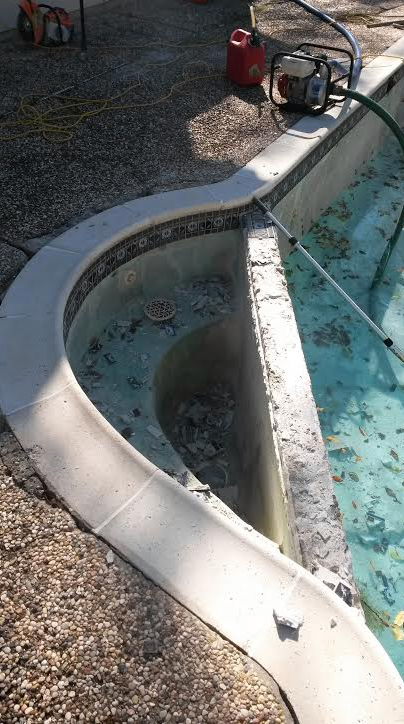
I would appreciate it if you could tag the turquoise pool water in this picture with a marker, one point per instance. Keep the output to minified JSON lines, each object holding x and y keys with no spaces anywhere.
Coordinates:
{"x":358,"y":385}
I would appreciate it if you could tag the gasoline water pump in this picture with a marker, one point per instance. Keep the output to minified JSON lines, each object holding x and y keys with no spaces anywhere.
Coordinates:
{"x":305,"y":81}
{"x":43,"y":24}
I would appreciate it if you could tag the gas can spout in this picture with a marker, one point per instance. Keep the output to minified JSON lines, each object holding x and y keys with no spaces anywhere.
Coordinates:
{"x":255,"y":39}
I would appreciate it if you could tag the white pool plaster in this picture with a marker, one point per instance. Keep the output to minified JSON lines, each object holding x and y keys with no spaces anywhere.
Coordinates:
{"x":332,"y":669}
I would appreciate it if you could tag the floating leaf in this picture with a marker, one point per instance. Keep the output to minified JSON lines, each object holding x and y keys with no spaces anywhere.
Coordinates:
{"x":333,"y":438}
{"x":321,"y":409}
{"x":399,"y":619}
{"x":363,"y":432}
{"x":394,"y":455}
{"x":357,"y":459}
{"x":394,"y":554}
{"x":391,"y":467}
{"x":337,"y":479}
{"x":398,"y":633}
{"x":392,"y":494}
{"x":354,"y":477}
{"x":354,"y":505}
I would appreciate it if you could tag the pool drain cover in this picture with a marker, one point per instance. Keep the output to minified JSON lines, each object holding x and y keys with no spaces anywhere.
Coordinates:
{"x":160,"y":310}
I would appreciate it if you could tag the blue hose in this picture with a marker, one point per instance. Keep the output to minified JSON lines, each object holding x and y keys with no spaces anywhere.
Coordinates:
{"x":357,"y":53}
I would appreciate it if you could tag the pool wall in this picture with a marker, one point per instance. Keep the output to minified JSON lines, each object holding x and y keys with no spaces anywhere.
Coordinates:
{"x":222,"y":570}
{"x":227,"y":351}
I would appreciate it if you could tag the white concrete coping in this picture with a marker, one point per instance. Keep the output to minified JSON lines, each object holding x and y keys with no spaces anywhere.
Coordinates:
{"x":332,"y":668}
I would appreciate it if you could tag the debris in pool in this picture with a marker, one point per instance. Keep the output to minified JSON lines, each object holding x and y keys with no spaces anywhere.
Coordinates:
{"x":392,"y":495}
{"x":345,"y":592}
{"x":123,"y":325}
{"x":126,"y":419}
{"x":109,"y":358}
{"x":375,"y":522}
{"x":154,"y":431}
{"x":337,"y":479}
{"x":394,"y":455}
{"x":134,"y":382}
{"x":354,"y":477}
{"x":136,"y":412}
{"x":200,"y":303}
{"x":127,"y":432}
{"x":199,"y":488}
{"x":94,"y":345}
{"x":134,"y":325}
{"x":213,"y":474}
{"x":292,"y":618}
{"x":393,"y":468}
{"x":395,"y":555}
{"x":170,"y":331}
{"x":145,"y":360}
{"x":209,"y":450}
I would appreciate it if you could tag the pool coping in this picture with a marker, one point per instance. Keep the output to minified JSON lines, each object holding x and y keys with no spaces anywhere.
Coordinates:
{"x":78,"y":453}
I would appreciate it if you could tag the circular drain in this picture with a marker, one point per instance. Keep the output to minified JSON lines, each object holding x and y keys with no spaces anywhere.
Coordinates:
{"x":160,"y":310}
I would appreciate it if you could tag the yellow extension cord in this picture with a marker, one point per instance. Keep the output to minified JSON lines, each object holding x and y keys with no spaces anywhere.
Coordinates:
{"x":57,"y":126}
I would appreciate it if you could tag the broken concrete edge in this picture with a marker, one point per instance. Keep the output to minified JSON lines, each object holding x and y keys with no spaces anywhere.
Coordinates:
{"x":313,"y":515}
{"x":240,"y":578}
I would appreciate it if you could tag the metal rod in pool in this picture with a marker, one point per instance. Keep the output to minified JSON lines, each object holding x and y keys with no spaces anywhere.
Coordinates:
{"x":297,"y":245}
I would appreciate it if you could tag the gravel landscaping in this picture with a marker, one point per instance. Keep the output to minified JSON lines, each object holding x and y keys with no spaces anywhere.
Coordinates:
{"x":205,"y":131}
{"x":85,"y":637}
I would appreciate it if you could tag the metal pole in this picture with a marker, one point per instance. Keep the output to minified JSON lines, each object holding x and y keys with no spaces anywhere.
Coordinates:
{"x":83,"y":53}
{"x":297,"y":245}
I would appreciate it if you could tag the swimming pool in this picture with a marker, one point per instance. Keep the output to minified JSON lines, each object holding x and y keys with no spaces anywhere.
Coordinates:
{"x":358,"y":385}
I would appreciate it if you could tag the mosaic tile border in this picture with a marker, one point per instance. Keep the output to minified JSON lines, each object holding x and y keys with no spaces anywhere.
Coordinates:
{"x":187,"y":227}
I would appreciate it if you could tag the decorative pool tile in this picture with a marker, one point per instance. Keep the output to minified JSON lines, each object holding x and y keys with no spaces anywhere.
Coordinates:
{"x":210,"y":222}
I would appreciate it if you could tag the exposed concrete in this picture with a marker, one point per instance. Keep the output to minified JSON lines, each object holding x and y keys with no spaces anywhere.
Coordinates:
{"x":262,"y":495}
{"x":307,"y":479}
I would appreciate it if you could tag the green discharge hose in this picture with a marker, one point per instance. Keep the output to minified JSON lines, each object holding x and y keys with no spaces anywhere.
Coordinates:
{"x":393,"y":125}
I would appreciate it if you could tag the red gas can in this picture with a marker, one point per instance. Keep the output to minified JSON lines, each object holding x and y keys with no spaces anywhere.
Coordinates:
{"x":245,"y":62}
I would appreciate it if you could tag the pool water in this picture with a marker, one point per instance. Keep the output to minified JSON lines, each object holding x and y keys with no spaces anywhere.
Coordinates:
{"x":357,"y":384}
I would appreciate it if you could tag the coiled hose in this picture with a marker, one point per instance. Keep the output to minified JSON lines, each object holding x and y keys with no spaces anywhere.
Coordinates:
{"x":393,"y":125}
